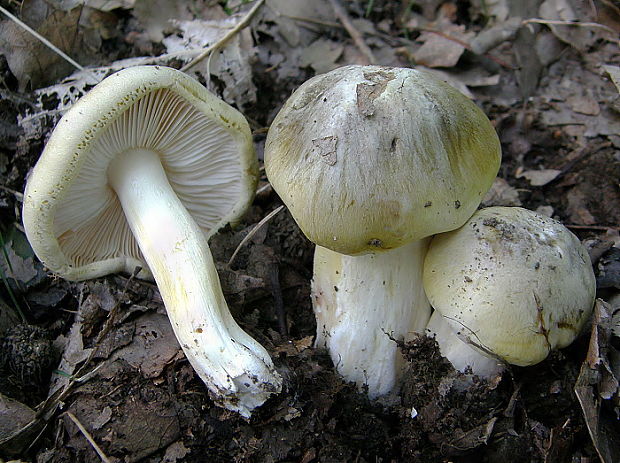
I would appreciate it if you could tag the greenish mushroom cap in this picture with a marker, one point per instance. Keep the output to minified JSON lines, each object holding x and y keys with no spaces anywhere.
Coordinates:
{"x":369,"y":158}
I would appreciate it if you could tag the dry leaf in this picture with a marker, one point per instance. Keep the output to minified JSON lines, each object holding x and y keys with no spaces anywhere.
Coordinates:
{"x":231,"y":64}
{"x":584,"y":105}
{"x":72,"y":355}
{"x":154,"y":345}
{"x":580,"y":38}
{"x":321,"y":55}
{"x":545,"y":210}
{"x":495,"y":35}
{"x":31,"y":62}
{"x":13,"y":416}
{"x":439,"y":51}
{"x":539,"y":177}
{"x":596,"y":381}
{"x":156,"y":16}
{"x":501,"y":194}
{"x":577,"y":209}
{"x":614,"y":73}
{"x":174,"y":452}
{"x":499,"y":9}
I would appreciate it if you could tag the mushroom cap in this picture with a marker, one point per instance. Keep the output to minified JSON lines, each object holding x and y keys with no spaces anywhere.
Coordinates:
{"x":512,"y":282}
{"x":369,"y":157}
{"x":72,"y":217}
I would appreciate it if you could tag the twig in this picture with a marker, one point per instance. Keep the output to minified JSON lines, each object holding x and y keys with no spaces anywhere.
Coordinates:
{"x":463,"y":44}
{"x":229,"y":35}
{"x":558,"y":22}
{"x":610,"y":5}
{"x":357,"y":37}
{"x":43,"y":40}
{"x":78,"y":376}
{"x":401,"y":40}
{"x":585,"y":152}
{"x":253,"y":232}
{"x":591,"y":227}
{"x":273,"y":275}
{"x":48,"y":407}
{"x":19,"y":197}
{"x":89,"y":438}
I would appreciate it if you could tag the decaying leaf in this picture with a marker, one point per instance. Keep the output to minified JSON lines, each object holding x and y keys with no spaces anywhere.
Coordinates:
{"x":73,"y":353}
{"x":577,"y":208}
{"x":32,"y":62}
{"x":581,"y":38}
{"x":156,"y":16}
{"x":501,"y":194}
{"x":584,"y":104}
{"x":175,"y":452}
{"x":287,"y":15}
{"x":498,"y":9}
{"x":102,"y":5}
{"x":153,"y":347}
{"x":230,"y":65}
{"x":13,"y":416}
{"x":441,"y":51}
{"x":614,"y":73}
{"x":595,"y":384}
{"x":495,"y":35}
{"x":529,"y":64}
{"x":539,"y":177}
{"x":321,"y":55}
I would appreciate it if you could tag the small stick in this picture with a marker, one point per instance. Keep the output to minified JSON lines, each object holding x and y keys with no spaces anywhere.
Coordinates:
{"x":18,"y":196}
{"x":591,"y":227}
{"x":89,"y":438}
{"x":276,"y":292}
{"x":43,"y":40}
{"x":343,"y":17}
{"x":558,"y":22}
{"x":229,"y":35}
{"x":253,"y":232}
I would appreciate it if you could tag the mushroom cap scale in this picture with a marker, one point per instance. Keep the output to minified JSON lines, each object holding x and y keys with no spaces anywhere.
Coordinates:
{"x":514,"y":283}
{"x":73,"y":218}
{"x":384,"y":155}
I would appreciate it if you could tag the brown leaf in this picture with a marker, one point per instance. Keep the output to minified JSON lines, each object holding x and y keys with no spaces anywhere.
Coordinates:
{"x":539,"y":177}
{"x":440,"y":51}
{"x":501,"y":194}
{"x":30,"y":61}
{"x":593,"y":385}
{"x":584,"y":105}
{"x":154,"y":345}
{"x":577,"y":209}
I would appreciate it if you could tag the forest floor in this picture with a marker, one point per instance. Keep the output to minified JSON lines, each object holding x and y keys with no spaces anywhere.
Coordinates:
{"x":91,"y":371}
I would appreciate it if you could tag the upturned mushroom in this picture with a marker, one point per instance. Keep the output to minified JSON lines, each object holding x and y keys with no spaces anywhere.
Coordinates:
{"x":508,"y":286}
{"x":371,"y":161}
{"x":139,"y":173}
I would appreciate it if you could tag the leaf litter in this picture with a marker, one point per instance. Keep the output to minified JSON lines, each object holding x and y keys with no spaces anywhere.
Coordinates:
{"x":549,"y":85}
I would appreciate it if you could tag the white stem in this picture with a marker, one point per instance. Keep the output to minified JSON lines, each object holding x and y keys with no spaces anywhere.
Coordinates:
{"x":461,"y":352}
{"x":236,"y":369}
{"x":362,"y":303}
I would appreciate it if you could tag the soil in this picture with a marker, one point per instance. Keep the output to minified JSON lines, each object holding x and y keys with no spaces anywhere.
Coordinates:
{"x":143,"y":403}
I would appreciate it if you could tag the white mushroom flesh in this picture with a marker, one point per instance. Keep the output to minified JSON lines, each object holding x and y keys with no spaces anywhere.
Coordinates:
{"x":364,"y":305}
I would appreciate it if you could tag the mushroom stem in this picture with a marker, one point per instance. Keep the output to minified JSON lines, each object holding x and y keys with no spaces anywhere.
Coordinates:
{"x":237,"y":370}
{"x":460,"y":348}
{"x":363,"y":304}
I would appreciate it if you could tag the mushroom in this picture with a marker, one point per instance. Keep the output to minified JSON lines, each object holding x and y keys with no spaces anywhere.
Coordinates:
{"x":371,"y":161}
{"x":139,"y":173}
{"x":508,"y":286}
